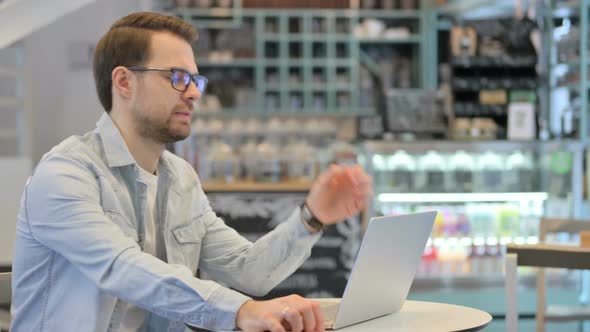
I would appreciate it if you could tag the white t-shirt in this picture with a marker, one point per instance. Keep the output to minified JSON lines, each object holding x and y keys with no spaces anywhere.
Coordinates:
{"x":153,"y":244}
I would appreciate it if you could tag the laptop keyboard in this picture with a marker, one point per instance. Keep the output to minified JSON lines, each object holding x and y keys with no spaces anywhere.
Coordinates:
{"x":329,"y":310}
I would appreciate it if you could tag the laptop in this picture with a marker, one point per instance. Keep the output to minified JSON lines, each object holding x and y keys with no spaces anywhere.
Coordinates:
{"x":383,"y":271}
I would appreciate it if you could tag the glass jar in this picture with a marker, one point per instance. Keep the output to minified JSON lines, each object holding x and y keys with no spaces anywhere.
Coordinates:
{"x":461,"y":170}
{"x":343,"y":153}
{"x":268,"y":163}
{"x":248,"y":160}
{"x":381,"y":172}
{"x":519,"y":174}
{"x":431,"y":170}
{"x":403,"y":168}
{"x":490,"y":167}
{"x":300,"y":160}
{"x":223,"y":162}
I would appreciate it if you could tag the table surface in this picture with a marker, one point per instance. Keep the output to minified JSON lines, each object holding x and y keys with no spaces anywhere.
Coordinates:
{"x":418,"y":316}
{"x":551,"y":255}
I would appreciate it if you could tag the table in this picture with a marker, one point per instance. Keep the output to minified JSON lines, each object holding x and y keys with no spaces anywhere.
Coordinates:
{"x":419,"y":316}
{"x":541,"y":255}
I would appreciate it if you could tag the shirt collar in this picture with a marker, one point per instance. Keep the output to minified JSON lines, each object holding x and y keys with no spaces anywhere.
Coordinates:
{"x":115,"y":148}
{"x":116,"y":151}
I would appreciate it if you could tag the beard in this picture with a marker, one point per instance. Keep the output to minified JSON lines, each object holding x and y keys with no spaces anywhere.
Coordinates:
{"x":160,"y":130}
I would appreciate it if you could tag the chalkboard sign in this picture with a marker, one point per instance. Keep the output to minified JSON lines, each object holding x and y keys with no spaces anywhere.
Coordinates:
{"x":325,"y":272}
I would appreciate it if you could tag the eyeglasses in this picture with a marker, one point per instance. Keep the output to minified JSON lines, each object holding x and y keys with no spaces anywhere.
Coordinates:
{"x":180,"y":78}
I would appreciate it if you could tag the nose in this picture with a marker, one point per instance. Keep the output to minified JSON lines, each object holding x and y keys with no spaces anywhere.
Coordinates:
{"x":192,"y":93}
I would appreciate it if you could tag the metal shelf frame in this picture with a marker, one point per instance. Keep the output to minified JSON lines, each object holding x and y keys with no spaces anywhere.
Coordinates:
{"x":581,"y":12}
{"x":340,"y":58}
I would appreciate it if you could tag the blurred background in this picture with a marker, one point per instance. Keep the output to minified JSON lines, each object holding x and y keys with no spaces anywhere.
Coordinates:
{"x":475,"y":108}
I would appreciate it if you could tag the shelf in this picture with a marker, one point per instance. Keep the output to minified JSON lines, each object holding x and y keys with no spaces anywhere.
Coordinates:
{"x":207,"y":12}
{"x":248,"y":113}
{"x":316,"y":87}
{"x":300,"y":12}
{"x":461,"y":197}
{"x":575,"y":85}
{"x":316,"y":62}
{"x":305,"y":37}
{"x":304,"y":40}
{"x":492,"y":62}
{"x":473,"y":86}
{"x":230,"y":63}
{"x":288,"y":186}
{"x":480,"y":240}
{"x":408,"y":14}
{"x":573,"y":63}
{"x":477,"y":146}
{"x":412,"y":39}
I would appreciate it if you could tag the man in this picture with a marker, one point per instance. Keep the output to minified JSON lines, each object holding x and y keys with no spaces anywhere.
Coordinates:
{"x":112,"y":227}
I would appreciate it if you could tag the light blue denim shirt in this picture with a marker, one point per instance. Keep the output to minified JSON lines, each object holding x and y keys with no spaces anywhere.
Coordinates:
{"x":79,"y":239}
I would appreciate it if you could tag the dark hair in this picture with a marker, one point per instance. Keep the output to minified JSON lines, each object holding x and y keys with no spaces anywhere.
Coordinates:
{"x":127,"y":43}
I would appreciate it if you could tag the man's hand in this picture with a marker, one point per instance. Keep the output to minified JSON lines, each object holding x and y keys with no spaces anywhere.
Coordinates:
{"x":338,"y":193}
{"x":289,"y":313}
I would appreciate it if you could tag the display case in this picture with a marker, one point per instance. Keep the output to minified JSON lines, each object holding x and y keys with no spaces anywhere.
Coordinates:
{"x":488,"y":194}
{"x":567,"y":45}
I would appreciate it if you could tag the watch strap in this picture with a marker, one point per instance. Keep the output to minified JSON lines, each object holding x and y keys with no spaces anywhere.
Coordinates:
{"x":308,"y":218}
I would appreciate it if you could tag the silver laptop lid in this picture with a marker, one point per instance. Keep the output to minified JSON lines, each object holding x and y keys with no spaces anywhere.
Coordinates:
{"x":384,"y":267}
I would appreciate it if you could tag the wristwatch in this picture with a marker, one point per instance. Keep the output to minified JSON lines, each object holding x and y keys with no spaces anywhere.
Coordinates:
{"x":309,"y":219}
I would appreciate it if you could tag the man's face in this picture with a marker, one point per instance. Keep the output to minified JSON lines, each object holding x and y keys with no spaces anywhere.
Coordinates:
{"x":160,"y":112}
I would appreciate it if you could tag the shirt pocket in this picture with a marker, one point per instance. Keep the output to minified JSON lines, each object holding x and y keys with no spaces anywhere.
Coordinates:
{"x":187,"y":240}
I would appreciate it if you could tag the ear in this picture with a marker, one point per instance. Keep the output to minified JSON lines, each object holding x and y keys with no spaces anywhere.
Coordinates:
{"x":123,"y":82}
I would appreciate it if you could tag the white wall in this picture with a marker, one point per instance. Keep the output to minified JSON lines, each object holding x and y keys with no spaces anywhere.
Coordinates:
{"x":15,"y":172}
{"x":64,"y":100}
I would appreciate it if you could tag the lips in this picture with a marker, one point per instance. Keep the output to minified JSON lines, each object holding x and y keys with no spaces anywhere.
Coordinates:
{"x":184,"y":115}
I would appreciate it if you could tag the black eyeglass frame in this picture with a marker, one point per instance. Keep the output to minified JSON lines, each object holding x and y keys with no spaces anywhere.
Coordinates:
{"x":197,"y":78}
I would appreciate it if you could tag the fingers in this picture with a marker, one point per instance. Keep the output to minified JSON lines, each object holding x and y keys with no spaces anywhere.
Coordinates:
{"x":318,"y":316}
{"x":308,"y":318}
{"x":274,"y":325}
{"x":301,"y":315}
{"x":294,"y":318}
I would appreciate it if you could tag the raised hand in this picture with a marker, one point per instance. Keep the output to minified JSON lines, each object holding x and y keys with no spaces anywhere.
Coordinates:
{"x":338,"y":193}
